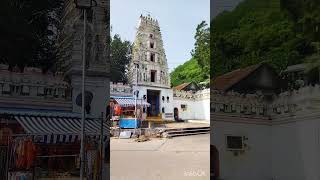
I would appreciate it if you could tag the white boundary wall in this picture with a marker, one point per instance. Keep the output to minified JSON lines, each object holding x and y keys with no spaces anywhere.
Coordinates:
{"x":197,"y":105}
{"x":284,"y":144}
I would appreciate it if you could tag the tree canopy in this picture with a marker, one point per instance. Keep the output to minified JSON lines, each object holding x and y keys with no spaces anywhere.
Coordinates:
{"x":201,"y":51}
{"x":120,"y":58}
{"x":197,"y":69}
{"x":306,"y":16}
{"x":190,"y":71}
{"x":257,"y":31}
{"x":25,"y":36}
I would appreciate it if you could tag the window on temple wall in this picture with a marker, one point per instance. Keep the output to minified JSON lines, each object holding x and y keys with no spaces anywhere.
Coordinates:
{"x":151,"y":45}
{"x":151,"y":36}
{"x":6,"y":89}
{"x":153,"y":76}
{"x":152,"y":57}
{"x":17,"y":88}
{"x":55,"y":93}
{"x":183,"y":107}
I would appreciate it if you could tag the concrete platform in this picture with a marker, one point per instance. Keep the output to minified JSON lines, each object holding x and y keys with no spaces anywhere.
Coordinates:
{"x":185,"y":125}
{"x":158,"y":123}
{"x":180,"y":158}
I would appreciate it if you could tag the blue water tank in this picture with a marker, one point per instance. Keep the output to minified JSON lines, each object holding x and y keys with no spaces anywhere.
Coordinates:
{"x":129,"y":123}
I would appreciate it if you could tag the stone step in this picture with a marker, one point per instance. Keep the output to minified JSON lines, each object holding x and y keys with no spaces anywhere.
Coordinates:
{"x":187,"y":134}
{"x":186,"y":131}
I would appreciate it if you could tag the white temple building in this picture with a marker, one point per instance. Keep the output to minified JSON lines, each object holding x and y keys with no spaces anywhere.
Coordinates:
{"x":148,"y":74}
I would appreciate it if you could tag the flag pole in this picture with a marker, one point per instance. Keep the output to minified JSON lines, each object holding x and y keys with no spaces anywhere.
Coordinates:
{"x":82,"y":153}
{"x":135,"y":98}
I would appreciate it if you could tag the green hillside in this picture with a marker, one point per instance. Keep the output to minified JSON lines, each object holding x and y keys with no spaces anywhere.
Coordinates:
{"x":190,"y":71}
{"x":259,"y":31}
{"x":279,"y":32}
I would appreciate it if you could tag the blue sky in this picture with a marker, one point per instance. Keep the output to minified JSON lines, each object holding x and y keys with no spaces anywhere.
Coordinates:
{"x":178,"y":20}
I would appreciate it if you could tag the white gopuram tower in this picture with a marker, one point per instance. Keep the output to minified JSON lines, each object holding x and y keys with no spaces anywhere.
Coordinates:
{"x":149,"y":69}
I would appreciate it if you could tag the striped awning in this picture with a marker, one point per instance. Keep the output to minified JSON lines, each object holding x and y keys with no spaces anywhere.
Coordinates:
{"x":130,"y":101}
{"x":51,"y":129}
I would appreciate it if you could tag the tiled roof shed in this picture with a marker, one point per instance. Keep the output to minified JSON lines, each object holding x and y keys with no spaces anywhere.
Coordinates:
{"x":256,"y":76}
{"x":181,"y":86}
{"x":187,"y":86}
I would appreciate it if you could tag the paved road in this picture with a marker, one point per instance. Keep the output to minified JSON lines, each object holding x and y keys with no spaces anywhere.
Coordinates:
{"x":161,"y":159}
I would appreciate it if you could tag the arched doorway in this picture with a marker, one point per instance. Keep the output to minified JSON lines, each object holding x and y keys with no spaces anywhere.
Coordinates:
{"x":176,"y":114}
{"x":214,"y":163}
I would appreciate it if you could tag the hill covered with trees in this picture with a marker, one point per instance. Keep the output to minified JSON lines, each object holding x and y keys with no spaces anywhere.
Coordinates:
{"x":190,"y":71}
{"x":280,"y":32}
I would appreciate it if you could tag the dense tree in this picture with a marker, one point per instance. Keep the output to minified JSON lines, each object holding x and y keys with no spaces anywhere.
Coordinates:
{"x":201,"y":52}
{"x":307,"y":19}
{"x":256,"y":31}
{"x":25,"y":38}
{"x":306,"y":16}
{"x":197,"y":69}
{"x":190,"y":71}
{"x":120,"y":58}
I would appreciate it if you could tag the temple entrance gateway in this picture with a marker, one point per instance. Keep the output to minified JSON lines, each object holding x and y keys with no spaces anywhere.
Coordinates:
{"x":153,"y":98}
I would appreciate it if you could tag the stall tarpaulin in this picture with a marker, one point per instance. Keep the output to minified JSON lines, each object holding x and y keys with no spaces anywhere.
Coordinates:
{"x":129,"y":101}
{"x":54,"y":129}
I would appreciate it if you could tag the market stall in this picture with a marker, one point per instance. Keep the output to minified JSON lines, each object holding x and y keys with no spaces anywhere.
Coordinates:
{"x":127,"y":111}
{"x":47,"y":147}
